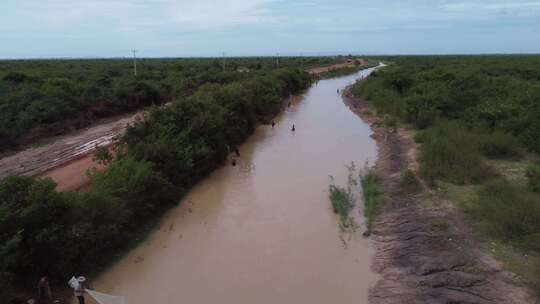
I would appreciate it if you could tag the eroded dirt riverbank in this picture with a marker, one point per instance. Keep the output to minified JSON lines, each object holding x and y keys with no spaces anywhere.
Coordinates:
{"x":419,"y":262}
{"x":263,"y":231}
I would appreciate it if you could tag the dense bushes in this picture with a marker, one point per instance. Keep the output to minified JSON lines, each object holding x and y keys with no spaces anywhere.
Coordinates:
{"x":488,"y":92}
{"x":510,"y":212}
{"x":41,"y":98}
{"x":60,"y":234}
{"x":467,"y":109}
{"x":46,"y":232}
{"x":189,"y":138}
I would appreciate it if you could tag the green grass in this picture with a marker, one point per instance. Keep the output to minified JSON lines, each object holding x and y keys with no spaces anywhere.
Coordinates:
{"x":372,"y":196}
{"x":409,"y":182}
{"x":342,"y":203}
{"x":439,"y":224}
{"x":343,"y":200}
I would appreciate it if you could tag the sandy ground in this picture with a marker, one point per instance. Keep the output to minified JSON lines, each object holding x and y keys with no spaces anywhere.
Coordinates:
{"x":331,"y":68}
{"x":418,"y":262}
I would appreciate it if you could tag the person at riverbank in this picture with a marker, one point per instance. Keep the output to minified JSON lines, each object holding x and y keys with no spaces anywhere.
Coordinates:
{"x":78,"y":287}
{"x":44,"y":291}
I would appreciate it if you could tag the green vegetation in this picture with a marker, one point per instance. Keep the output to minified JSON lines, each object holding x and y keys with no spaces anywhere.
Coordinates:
{"x":484,"y":92}
{"x":409,"y":182}
{"x":439,"y":224}
{"x":59,"y":234}
{"x":509,"y":212}
{"x":477,"y":119}
{"x":372,"y":196}
{"x":533,"y":176}
{"x":40,"y":98}
{"x":343,"y":200}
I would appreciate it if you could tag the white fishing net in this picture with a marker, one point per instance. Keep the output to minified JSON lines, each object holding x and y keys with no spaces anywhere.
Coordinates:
{"x":103,"y":298}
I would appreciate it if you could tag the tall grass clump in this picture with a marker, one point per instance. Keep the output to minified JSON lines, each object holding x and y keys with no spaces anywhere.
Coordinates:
{"x":451,"y":152}
{"x":343,"y":200}
{"x":509,"y":212}
{"x":372,"y":196}
{"x":533,"y":176}
{"x":498,"y":144}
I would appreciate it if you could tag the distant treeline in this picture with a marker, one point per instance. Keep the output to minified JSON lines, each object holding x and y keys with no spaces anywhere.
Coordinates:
{"x":41,"y":98}
{"x":44,"y":232}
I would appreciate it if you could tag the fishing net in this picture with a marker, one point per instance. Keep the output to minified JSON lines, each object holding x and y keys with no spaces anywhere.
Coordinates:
{"x":103,"y":298}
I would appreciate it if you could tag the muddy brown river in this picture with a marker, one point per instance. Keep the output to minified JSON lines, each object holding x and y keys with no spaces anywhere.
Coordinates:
{"x":263,"y":231}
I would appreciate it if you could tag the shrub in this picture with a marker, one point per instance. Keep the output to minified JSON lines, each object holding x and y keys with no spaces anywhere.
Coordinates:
{"x":450,"y":152}
{"x":409,"y":182}
{"x":498,"y":144}
{"x":533,"y":176}
{"x":372,"y":196}
{"x":509,"y":212}
{"x":137,"y":184}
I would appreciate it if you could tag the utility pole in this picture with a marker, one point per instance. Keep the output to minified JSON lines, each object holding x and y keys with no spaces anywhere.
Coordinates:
{"x":223,"y":61}
{"x":134,"y":62}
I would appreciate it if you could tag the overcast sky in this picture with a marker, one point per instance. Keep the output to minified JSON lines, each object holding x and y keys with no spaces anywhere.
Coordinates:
{"x":110,"y":28}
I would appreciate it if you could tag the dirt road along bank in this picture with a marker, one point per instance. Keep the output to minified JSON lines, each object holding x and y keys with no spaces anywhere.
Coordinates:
{"x":347,"y":64}
{"x":67,"y":158}
{"x":419,"y":261}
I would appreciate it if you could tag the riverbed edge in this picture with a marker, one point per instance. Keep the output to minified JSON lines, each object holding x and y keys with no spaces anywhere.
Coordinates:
{"x":418,"y":262}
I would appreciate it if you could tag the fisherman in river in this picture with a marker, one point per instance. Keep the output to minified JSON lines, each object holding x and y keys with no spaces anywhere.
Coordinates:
{"x":44,"y":291}
{"x":233,"y":163}
{"x":293,"y":128}
{"x":273,"y":124}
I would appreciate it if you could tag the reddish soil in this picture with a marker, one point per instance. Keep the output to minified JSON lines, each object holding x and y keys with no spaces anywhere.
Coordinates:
{"x":67,"y":158}
{"x":334,"y":67}
{"x":72,"y":176}
{"x":418,"y":262}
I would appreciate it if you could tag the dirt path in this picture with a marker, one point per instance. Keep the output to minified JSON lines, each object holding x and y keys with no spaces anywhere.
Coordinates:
{"x":66,"y":158}
{"x":419,"y":260}
{"x":321,"y":70}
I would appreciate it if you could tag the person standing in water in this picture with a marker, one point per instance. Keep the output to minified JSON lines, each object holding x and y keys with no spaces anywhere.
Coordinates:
{"x":273,"y":124}
{"x":293,"y":128}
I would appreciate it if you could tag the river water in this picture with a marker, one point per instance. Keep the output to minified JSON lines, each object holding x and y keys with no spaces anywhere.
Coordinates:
{"x":263,"y":231}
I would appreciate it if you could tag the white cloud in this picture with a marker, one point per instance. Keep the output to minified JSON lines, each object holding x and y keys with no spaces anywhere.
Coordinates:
{"x":138,"y":13}
{"x":490,"y":7}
